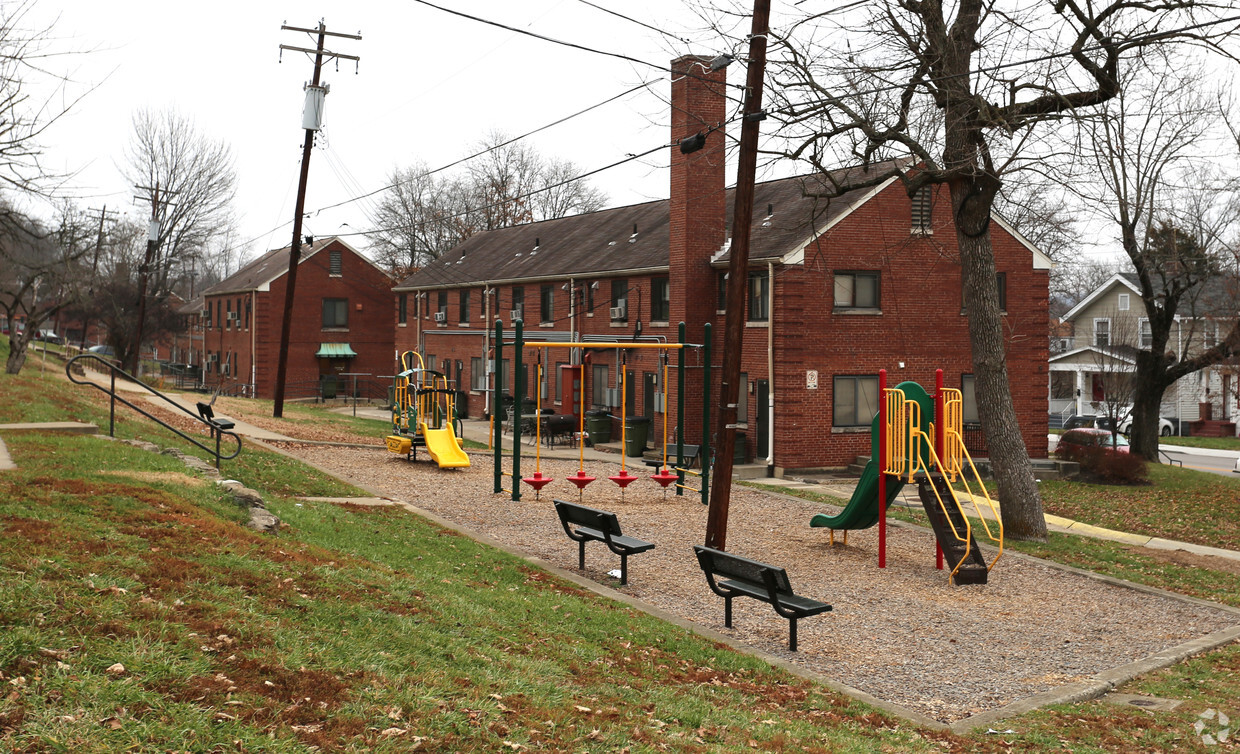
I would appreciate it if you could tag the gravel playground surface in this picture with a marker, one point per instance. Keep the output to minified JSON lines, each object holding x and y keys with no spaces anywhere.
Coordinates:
{"x":902,"y":634}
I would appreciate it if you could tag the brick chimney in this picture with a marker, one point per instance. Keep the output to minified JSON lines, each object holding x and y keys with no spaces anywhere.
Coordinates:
{"x":698,"y":215}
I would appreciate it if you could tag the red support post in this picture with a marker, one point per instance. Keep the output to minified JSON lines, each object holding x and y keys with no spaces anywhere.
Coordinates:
{"x":940,"y":443}
{"x":882,"y":465}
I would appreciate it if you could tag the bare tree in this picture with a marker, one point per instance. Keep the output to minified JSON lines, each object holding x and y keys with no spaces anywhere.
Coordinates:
{"x":960,"y":94}
{"x":40,"y":275}
{"x":192,"y":180}
{"x":509,"y":183}
{"x":1152,"y":173}
{"x":420,"y":218}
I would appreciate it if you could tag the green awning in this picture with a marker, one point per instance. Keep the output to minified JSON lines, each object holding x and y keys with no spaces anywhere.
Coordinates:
{"x":335,"y":351}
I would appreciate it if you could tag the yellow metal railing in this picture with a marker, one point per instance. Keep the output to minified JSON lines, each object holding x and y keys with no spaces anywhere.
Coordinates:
{"x":897,"y":434}
{"x":956,"y":456}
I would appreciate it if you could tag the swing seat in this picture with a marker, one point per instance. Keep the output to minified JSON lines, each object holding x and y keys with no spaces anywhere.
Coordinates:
{"x":624,"y":478}
{"x":538,"y":481}
{"x":665,"y":477}
{"x":581,"y":479}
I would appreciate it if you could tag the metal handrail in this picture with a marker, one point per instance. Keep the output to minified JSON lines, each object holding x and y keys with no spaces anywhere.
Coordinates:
{"x":216,"y":431}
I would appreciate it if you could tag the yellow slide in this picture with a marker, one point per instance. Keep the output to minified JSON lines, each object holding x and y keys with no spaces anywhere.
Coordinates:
{"x":443,"y":447}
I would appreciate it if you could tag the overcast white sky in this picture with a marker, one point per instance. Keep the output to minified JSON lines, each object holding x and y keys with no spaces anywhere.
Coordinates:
{"x":429,"y":86}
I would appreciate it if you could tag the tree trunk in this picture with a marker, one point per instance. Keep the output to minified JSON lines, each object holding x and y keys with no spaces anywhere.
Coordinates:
{"x":1146,"y":402}
{"x":17,"y":354}
{"x":1018,"y":491}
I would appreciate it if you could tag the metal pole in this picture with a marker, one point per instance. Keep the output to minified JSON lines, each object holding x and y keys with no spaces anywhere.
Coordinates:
{"x":497,"y":433}
{"x":518,"y":399}
{"x":882,"y":466}
{"x":742,"y":220}
{"x":706,"y":463}
{"x":680,"y":413}
{"x":112,"y":409}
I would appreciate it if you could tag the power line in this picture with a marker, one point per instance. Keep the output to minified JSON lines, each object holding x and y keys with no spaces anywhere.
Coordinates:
{"x":553,"y":40}
{"x":501,"y":145}
{"x":634,"y":20}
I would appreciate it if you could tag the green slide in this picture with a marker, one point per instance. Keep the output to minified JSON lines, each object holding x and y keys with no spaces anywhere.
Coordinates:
{"x":863,"y":509}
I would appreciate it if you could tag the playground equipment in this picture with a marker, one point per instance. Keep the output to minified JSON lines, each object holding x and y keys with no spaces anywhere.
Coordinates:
{"x":624,"y":478}
{"x":904,"y":452}
{"x":423,"y":413}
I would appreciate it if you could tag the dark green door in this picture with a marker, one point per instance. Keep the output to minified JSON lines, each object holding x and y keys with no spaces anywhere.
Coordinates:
{"x":763,"y":394}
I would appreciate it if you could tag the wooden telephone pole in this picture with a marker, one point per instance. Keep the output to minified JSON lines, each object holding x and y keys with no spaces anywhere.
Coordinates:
{"x":734,"y":324}
{"x":159,"y":204}
{"x":310,"y":121}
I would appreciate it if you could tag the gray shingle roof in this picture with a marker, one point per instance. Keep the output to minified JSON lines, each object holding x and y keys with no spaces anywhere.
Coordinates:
{"x":260,"y":272}
{"x":598,"y":243}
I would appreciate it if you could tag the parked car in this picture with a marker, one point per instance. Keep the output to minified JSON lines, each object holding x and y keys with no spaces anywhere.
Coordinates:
{"x":102,"y":350}
{"x":1075,"y":441}
{"x":1101,"y":421}
{"x":49,"y":336}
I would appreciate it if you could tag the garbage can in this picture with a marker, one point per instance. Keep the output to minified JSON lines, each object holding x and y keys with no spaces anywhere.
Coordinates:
{"x":636,"y":428}
{"x":462,"y":404}
{"x":598,"y":425}
{"x":329,"y":386}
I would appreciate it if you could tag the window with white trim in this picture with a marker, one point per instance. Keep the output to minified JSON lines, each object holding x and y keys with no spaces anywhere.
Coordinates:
{"x":1124,"y":302}
{"x":1102,"y":332}
{"x":1147,"y":334}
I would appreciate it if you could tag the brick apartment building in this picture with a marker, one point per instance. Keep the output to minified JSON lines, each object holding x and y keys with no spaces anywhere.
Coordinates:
{"x":342,"y":321}
{"x":837,"y":290}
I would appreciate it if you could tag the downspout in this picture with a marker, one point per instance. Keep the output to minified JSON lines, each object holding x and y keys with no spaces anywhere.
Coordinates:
{"x":572,"y":312}
{"x":253,"y":343}
{"x":770,"y":369}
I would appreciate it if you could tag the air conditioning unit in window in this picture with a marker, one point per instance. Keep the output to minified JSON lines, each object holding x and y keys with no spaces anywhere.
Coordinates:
{"x":205,"y":314}
{"x":441,"y":316}
{"x":617,"y":312}
{"x":213,"y":358}
{"x":516,"y":314}
{"x":234,"y":316}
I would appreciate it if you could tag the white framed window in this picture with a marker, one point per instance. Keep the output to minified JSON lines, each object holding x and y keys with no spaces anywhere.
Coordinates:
{"x":1124,"y":301}
{"x":1147,"y":335}
{"x":1102,"y":331}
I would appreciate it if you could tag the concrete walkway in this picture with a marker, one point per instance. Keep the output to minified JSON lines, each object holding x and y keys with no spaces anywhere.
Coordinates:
{"x":186,"y":401}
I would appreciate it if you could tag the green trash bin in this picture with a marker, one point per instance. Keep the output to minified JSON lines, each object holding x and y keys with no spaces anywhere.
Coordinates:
{"x":636,"y":429}
{"x":598,"y":426}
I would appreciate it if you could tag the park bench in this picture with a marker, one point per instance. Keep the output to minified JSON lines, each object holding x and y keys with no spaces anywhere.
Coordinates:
{"x":691,"y":456}
{"x":216,"y":424}
{"x":583,"y":524}
{"x":743,"y":577}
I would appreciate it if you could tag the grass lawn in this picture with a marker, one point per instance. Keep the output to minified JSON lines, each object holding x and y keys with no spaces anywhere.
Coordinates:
{"x":1181,"y":504}
{"x":138,"y":614}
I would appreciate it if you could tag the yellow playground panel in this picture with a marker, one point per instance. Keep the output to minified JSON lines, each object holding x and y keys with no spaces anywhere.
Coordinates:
{"x":423,"y":411}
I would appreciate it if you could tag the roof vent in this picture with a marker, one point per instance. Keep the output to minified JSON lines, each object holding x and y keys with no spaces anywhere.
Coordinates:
{"x":633,"y":238}
{"x":770,"y":212}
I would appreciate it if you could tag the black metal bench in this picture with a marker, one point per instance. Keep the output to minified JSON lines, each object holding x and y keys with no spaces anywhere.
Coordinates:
{"x":691,"y":457}
{"x":749,"y":578}
{"x":583,"y":524}
{"x":208,"y":415}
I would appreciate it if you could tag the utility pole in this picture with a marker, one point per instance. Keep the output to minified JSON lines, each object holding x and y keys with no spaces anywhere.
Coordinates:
{"x":94,"y":266}
{"x":734,"y":324}
{"x":158,"y":205}
{"x":311,"y":121}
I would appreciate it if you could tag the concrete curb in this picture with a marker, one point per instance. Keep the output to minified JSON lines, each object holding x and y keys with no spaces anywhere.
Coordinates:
{"x":6,"y":461}
{"x":1103,"y":682}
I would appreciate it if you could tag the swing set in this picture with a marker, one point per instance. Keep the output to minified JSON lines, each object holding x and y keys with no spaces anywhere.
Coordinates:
{"x":666,"y":476}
